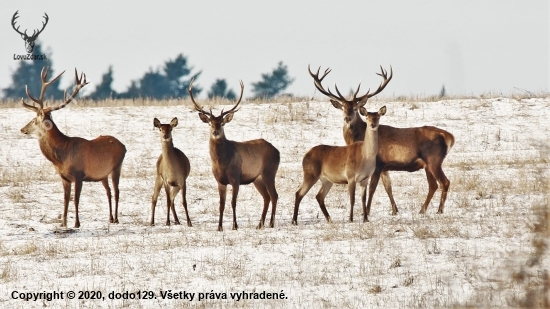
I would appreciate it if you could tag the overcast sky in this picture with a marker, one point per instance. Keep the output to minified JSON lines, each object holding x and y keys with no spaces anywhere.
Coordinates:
{"x":471,"y":47}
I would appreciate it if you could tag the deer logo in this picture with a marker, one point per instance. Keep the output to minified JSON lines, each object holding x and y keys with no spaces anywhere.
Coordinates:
{"x":29,"y":40}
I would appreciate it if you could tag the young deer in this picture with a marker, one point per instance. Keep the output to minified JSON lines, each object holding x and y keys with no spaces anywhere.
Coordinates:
{"x":237,"y":163}
{"x":172,"y":171}
{"x":399,"y":149}
{"x":75,"y":159}
{"x":350,"y":165}
{"x":354,"y":127}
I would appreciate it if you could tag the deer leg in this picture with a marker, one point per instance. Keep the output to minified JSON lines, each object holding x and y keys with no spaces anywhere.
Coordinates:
{"x":115,"y":177}
{"x":432,"y":188}
{"x":364,"y":199}
{"x":183,"y":196}
{"x":222,"y":190}
{"x":386,"y":181}
{"x":77,"y":190}
{"x":168,"y":204}
{"x":320,"y":197}
{"x":445,"y":183}
{"x":351,"y":191}
{"x":309,"y":181}
{"x":66,"y":198}
{"x":270,"y":186}
{"x":235,"y":190}
{"x":260,"y":186}
{"x":156,"y":191}
{"x":105,"y":182}
{"x":372,"y":188}
{"x":173,"y":194}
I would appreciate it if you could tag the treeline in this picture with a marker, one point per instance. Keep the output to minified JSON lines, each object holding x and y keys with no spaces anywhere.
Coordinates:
{"x":169,"y":81}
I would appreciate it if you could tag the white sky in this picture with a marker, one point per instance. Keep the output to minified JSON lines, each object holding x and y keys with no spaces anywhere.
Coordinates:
{"x":471,"y":47}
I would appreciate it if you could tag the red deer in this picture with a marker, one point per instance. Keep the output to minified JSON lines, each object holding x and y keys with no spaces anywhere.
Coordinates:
{"x":240,"y":163}
{"x":354,"y":126}
{"x":399,"y":149}
{"x":350,"y":165}
{"x":75,"y":159}
{"x":172,"y":171}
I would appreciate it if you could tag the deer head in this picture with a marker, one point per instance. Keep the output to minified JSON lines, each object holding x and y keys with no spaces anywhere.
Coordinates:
{"x":29,"y":40}
{"x":350,"y":107}
{"x":216,"y":122}
{"x":43,"y":120}
{"x":165,"y":129}
{"x":373,"y":118}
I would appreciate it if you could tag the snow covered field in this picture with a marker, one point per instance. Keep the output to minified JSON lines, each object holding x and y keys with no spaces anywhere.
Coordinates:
{"x":479,"y":252}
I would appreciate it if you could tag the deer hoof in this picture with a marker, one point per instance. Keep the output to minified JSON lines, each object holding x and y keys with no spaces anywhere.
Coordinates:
{"x":189,"y":224}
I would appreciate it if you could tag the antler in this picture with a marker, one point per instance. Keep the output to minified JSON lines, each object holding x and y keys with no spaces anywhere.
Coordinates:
{"x":13,"y":24}
{"x":202,"y":111}
{"x":363,"y":99}
{"x":238,"y":102}
{"x":197,"y":107}
{"x":80,"y":82}
{"x":33,"y":36}
{"x":34,"y":33}
{"x":45,"y":84}
{"x":317,"y":82}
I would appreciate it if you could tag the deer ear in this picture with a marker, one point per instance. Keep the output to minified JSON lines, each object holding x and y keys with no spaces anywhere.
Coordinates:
{"x":156,"y":123}
{"x":228,"y":118}
{"x":174,"y":122}
{"x":204,"y":118}
{"x":336,"y":104}
{"x":363,"y":111}
{"x":382,"y":111}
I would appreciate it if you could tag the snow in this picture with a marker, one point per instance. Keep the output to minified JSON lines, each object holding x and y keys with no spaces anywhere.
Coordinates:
{"x":466,"y":256}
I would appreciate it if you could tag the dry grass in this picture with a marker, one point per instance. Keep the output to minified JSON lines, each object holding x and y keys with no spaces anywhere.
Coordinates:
{"x":489,"y":248}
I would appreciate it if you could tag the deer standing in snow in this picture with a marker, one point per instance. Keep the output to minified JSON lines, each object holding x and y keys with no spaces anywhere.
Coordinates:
{"x":172,"y":171}
{"x":239,"y":163}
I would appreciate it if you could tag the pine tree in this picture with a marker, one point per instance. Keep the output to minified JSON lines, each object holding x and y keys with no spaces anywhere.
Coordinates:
{"x":219,"y":90}
{"x":273,"y":83}
{"x":103,"y":89}
{"x":170,"y":82}
{"x":28,"y":74}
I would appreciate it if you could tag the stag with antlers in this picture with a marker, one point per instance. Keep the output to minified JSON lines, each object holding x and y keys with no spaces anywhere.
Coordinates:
{"x":239,"y":163}
{"x":399,"y":149}
{"x":29,"y":40}
{"x":351,"y":165}
{"x":75,"y":159}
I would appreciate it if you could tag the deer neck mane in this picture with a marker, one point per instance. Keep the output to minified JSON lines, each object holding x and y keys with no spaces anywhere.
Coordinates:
{"x":54,"y":144}
{"x":221,"y":148}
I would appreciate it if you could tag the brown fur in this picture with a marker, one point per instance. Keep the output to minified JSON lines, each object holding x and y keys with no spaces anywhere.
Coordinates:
{"x":76,"y":159}
{"x":350,"y":165}
{"x":236,"y":163}
{"x":400,"y":149}
{"x":354,"y":126}
{"x":172,"y":171}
